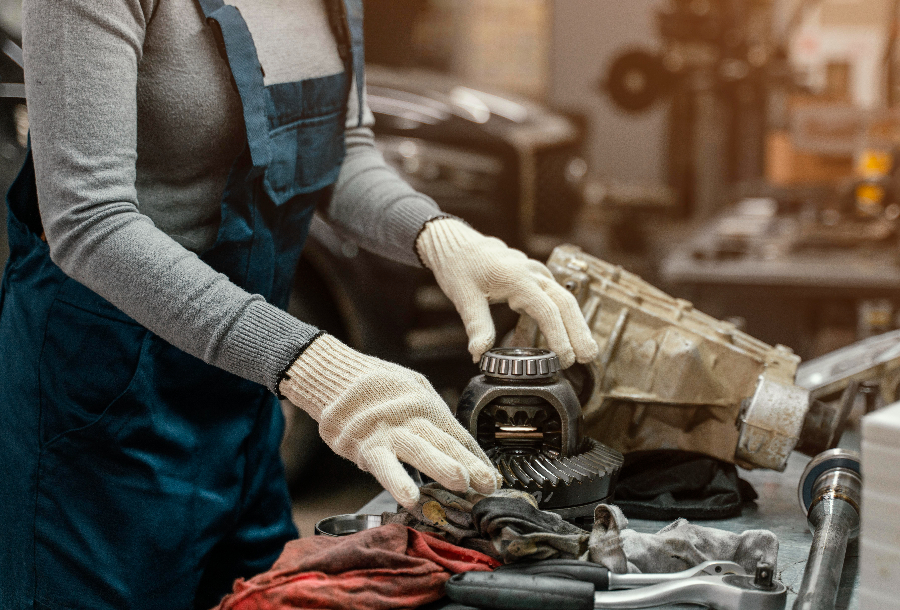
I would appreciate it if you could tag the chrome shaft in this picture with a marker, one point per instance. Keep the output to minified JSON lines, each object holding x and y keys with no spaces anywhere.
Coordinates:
{"x":830,"y":491}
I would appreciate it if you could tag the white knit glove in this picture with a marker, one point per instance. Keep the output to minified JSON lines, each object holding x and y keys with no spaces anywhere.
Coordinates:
{"x":373,"y":412}
{"x":475,"y":271}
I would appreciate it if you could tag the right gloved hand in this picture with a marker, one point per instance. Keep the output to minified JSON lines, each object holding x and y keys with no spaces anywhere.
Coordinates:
{"x":376,"y":413}
{"x":474,"y":271}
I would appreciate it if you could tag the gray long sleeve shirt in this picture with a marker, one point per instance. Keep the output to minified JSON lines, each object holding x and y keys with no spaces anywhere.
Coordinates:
{"x":134,"y":127}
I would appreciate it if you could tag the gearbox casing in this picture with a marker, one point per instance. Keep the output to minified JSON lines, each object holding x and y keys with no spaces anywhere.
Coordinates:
{"x":671,"y":377}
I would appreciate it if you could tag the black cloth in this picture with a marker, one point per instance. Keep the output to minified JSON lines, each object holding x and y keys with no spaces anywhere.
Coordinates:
{"x":669,"y":484}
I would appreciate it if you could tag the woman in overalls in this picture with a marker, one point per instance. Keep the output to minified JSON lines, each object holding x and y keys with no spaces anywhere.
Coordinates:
{"x":178,"y":151}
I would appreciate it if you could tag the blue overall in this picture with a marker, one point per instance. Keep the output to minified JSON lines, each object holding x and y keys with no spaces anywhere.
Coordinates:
{"x":133,"y":475}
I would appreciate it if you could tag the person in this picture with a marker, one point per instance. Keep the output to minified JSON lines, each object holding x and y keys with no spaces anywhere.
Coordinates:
{"x":179,"y":149}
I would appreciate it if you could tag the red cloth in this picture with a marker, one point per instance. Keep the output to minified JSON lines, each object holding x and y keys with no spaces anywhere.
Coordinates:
{"x":392,"y":566}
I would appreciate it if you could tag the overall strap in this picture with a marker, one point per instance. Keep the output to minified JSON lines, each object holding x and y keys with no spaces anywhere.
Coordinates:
{"x":346,"y":20}
{"x":355,"y":15}
{"x":247,"y":73}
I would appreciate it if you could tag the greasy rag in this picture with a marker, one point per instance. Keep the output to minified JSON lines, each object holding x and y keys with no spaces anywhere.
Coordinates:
{"x":506,"y":525}
{"x":445,"y":513}
{"x":519,"y":531}
{"x":509,"y":526}
{"x":391,"y":566}
{"x":678,"y":546}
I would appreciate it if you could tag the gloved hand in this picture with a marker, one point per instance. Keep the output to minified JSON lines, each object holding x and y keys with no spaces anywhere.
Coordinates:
{"x":475,"y":271}
{"x":373,"y":412}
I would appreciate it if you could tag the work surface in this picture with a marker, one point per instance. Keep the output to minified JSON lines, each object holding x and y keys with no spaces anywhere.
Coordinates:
{"x":776,"y":510}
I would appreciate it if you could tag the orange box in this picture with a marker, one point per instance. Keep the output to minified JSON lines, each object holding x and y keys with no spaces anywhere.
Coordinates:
{"x":787,"y":166}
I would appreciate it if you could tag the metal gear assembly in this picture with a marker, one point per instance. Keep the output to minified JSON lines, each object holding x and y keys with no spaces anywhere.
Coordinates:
{"x":526,"y":417}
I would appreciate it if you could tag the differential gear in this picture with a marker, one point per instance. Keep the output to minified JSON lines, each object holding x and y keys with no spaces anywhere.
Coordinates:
{"x":528,"y":420}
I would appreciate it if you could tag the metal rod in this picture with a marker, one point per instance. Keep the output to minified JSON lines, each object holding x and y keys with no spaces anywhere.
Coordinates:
{"x":527,"y":435}
{"x":822,"y":576}
{"x":830,"y":490}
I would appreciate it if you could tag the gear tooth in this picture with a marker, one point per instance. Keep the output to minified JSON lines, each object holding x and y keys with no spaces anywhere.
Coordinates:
{"x":538,"y":465}
{"x":594,"y":461}
{"x":554,"y":467}
{"x":589,"y":452}
{"x":509,"y":479}
{"x":577,"y":472}
{"x":582,"y":471}
{"x":536,"y":476}
{"x":590,"y":468}
{"x":570,"y":474}
{"x":610,"y":457}
{"x":585,"y":471}
{"x":519,"y":472}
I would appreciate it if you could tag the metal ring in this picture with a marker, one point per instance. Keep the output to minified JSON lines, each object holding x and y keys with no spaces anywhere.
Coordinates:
{"x":825,"y":461}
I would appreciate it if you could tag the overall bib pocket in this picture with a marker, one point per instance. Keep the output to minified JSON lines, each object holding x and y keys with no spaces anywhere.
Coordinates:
{"x":306,"y":156}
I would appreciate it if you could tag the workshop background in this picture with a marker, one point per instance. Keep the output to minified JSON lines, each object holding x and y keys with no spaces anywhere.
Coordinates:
{"x":741,"y":154}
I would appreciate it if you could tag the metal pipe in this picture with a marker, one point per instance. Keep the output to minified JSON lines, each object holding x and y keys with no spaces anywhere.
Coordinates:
{"x":830,"y":491}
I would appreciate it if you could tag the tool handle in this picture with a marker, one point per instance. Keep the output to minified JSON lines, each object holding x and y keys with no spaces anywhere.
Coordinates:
{"x":501,"y":591}
{"x":563,"y":568}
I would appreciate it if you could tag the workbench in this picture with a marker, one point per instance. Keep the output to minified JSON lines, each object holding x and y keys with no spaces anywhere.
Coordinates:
{"x":777,"y":509}
{"x":786,"y":298}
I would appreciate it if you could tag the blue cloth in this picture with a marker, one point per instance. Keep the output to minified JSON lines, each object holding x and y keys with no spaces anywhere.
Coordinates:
{"x":133,"y":475}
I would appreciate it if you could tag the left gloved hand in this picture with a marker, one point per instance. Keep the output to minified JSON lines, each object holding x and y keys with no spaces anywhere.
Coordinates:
{"x":475,"y":271}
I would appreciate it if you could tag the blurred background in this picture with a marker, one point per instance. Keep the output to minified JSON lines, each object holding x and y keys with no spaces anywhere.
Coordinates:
{"x":742,"y":154}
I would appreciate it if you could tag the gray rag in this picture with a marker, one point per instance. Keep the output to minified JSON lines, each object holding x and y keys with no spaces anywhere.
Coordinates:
{"x":508,"y":526}
{"x":678,"y":546}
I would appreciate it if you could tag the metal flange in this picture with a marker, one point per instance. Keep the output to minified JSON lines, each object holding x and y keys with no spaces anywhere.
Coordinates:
{"x":826,"y":461}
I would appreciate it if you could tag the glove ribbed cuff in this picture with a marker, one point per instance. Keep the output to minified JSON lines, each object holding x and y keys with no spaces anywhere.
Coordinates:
{"x":321,"y":373}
